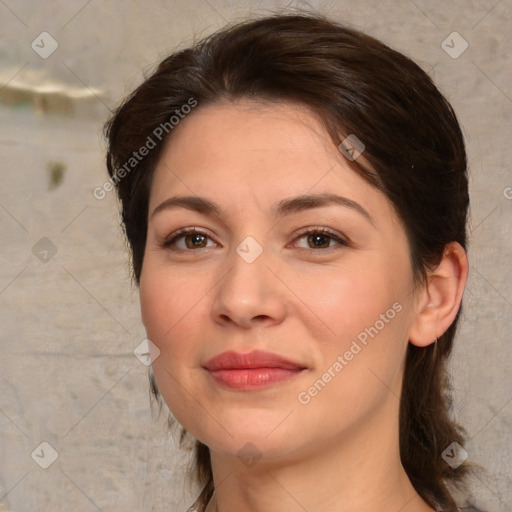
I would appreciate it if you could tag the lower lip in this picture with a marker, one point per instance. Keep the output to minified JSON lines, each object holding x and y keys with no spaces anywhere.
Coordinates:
{"x":253,"y":378}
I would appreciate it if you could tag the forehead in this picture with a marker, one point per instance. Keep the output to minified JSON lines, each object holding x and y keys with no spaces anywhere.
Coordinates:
{"x":231,"y":129}
{"x":258,"y":152}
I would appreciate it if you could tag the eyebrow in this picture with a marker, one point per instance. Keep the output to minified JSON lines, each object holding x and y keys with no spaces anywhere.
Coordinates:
{"x":280,"y":209}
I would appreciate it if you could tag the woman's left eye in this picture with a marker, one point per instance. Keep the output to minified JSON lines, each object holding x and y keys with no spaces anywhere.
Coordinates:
{"x":318,"y":238}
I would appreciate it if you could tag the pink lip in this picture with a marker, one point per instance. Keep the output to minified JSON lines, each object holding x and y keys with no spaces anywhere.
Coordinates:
{"x":251,"y":370}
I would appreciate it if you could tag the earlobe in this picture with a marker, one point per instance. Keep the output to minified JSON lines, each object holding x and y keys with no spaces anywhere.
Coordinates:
{"x":441,"y":297}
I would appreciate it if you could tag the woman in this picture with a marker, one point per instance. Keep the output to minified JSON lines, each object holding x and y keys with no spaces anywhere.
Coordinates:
{"x":295,"y":194}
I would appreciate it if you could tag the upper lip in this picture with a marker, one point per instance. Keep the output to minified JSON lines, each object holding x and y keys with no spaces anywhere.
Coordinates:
{"x":256,"y":359}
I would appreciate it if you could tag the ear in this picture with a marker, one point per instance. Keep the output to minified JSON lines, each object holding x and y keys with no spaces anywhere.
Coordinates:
{"x":439,"y":300}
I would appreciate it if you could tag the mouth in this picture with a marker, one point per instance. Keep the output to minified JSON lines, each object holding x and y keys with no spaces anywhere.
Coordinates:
{"x":252,"y":370}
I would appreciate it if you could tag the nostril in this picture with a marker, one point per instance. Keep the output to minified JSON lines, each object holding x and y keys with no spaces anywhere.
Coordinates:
{"x":260,"y":317}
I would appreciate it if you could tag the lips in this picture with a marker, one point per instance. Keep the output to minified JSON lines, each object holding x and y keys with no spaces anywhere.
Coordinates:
{"x":251,"y":370}
{"x":255,"y":359}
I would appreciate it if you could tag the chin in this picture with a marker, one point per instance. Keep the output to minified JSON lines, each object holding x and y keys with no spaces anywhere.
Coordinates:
{"x":254,"y":442}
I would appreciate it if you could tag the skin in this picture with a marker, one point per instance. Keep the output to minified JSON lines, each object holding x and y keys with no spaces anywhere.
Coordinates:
{"x":339,"y":451}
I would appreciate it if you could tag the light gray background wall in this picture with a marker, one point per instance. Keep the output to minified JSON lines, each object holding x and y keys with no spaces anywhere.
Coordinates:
{"x":69,"y":315}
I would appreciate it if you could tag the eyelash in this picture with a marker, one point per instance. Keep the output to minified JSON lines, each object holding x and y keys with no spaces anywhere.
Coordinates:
{"x":169,"y":242}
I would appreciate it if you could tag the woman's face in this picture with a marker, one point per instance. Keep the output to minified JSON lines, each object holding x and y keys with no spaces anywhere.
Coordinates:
{"x":260,"y":275}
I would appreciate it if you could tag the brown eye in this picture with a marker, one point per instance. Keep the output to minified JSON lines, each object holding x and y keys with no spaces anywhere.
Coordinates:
{"x":193,"y":239}
{"x":321,"y":238}
{"x":196,"y":240}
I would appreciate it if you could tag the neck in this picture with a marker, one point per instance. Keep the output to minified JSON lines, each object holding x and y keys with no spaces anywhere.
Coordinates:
{"x":361,"y":471}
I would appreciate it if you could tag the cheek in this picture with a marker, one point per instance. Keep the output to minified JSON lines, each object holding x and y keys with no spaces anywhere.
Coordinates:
{"x":364,"y":309}
{"x":170,"y":307}
{"x":168,"y":302}
{"x":348,"y":300}
{"x":157,"y":310}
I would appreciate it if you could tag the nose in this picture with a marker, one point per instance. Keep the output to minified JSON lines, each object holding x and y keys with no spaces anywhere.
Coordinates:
{"x":250,"y":294}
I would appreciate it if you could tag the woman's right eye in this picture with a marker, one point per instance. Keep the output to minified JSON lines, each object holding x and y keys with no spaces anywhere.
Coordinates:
{"x":192,"y":238}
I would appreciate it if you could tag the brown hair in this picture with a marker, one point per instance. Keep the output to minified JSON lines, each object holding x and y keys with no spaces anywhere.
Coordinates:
{"x":416,"y":155}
